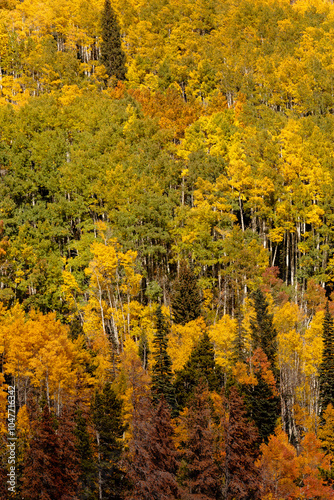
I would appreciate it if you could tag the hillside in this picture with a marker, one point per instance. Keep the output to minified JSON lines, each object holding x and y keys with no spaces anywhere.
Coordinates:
{"x":167,"y":229}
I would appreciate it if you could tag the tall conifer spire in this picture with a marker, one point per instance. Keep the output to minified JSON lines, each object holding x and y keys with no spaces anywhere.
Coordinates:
{"x":112,"y":55}
{"x":327,"y":365}
{"x":162,"y":368}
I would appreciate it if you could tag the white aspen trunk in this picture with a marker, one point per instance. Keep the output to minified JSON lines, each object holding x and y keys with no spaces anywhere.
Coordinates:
{"x":241,"y":214}
{"x":101,"y":304}
{"x":47,"y":387}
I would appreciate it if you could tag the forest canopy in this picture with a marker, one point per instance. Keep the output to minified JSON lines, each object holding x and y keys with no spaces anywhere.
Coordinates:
{"x":166,"y":248}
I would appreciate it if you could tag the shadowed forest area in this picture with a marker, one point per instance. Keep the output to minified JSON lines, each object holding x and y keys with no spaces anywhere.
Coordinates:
{"x":167,"y":249}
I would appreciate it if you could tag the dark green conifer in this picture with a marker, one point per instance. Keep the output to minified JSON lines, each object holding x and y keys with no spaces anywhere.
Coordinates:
{"x":112,"y":55}
{"x":162,"y":368}
{"x":264,"y":407}
{"x":186,"y":300}
{"x":200,"y":366}
{"x":107,"y":418}
{"x":327,"y":365}
{"x":263,"y":331}
{"x":87,"y":464}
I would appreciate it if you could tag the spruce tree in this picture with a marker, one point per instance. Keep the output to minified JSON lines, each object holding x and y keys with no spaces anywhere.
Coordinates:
{"x":263,"y":406}
{"x":162,"y":367}
{"x":327,"y":364}
{"x":200,"y":365}
{"x":107,"y":418}
{"x":112,"y":55}
{"x":186,"y":300}
{"x":87,"y":465}
{"x":201,"y":474}
{"x":263,"y":332}
{"x":242,"y":479}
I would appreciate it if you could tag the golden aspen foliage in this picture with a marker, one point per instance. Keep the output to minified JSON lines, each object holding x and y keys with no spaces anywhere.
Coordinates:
{"x":39,"y":352}
{"x":182,"y":339}
{"x":114,"y":282}
{"x":223,"y":334}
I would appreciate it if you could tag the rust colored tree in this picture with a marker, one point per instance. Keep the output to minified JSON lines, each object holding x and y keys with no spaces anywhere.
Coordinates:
{"x":152,"y":463}
{"x":47,"y":473}
{"x":201,"y":474}
{"x":241,"y":443}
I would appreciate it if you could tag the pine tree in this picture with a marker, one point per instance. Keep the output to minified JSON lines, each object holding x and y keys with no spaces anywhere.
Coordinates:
{"x":162,"y":367}
{"x":152,"y":462}
{"x":201,"y":473}
{"x":87,"y":466}
{"x":186,"y":300}
{"x":112,"y":55}
{"x":43,"y":474}
{"x":241,"y":474}
{"x":263,"y":331}
{"x":200,"y":365}
{"x":327,"y":364}
{"x":107,"y":418}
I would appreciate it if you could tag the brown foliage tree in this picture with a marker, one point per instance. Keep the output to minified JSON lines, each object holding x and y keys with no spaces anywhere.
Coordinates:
{"x":152,"y":463}
{"x":241,"y":438}
{"x":48,"y":473}
{"x":201,"y":475}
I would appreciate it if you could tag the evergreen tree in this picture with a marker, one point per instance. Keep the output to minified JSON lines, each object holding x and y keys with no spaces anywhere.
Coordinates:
{"x":152,"y":462}
{"x":262,"y":398}
{"x":162,"y":367}
{"x":263,"y":406}
{"x":201,"y":473}
{"x":242,"y":479}
{"x":186,"y":300}
{"x":327,"y":364}
{"x":263,"y":331}
{"x":112,"y":55}
{"x":107,"y":418}
{"x":200,"y":365}
{"x":87,"y":466}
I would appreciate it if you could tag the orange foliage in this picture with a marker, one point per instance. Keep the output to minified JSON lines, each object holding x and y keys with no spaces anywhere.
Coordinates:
{"x":279,"y":467}
{"x":261,"y":366}
{"x":310,"y":461}
{"x":174,"y":114}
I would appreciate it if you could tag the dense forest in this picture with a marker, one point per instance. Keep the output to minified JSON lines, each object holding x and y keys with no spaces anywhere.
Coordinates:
{"x":166,"y":250}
